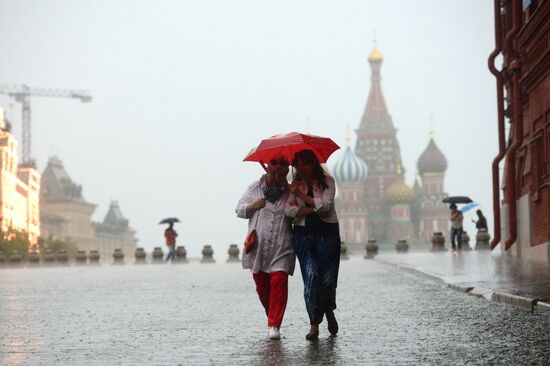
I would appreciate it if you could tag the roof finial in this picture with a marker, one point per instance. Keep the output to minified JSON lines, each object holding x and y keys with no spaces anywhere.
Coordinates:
{"x":348,"y":136}
{"x":432,"y":126}
{"x":375,"y":54}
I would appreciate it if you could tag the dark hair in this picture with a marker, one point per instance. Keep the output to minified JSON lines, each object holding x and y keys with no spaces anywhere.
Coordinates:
{"x":280,"y":161}
{"x":452,"y":205}
{"x":479,"y":213}
{"x":308,"y":157}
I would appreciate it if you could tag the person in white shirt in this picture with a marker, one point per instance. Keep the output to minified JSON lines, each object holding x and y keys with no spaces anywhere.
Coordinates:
{"x":316,"y":239}
{"x":456,"y":219}
{"x":272,"y":258}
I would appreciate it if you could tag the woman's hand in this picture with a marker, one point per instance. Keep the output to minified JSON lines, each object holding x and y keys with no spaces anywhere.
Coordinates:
{"x":323,"y":214}
{"x":255,"y":206}
{"x":258,"y":204}
{"x":293,"y":188}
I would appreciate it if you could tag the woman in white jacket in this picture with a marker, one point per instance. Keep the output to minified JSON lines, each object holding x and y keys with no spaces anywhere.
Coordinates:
{"x":316,"y":239}
{"x":272,"y":258}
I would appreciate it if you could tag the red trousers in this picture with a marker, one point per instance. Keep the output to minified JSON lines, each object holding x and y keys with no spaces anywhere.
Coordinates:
{"x":272,"y":288}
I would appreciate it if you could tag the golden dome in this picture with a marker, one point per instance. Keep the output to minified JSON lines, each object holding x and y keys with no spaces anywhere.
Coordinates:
{"x":399,"y":192}
{"x":375,"y":54}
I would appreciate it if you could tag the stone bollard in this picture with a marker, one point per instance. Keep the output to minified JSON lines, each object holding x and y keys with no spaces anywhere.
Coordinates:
{"x":15,"y":257}
{"x":343,"y":251}
{"x":158,"y":255}
{"x":140,"y":255}
{"x":402,"y":246}
{"x":233,"y":252}
{"x":482,"y":240}
{"x":207,"y":254}
{"x":62,"y":257}
{"x":181,"y":254}
{"x":118,"y":256}
{"x":81,"y":257}
{"x":438,"y":242}
{"x":2,"y":258}
{"x":465,"y":241}
{"x":371,"y":248}
{"x":49,"y":256}
{"x":34,"y":258}
{"x":94,"y":256}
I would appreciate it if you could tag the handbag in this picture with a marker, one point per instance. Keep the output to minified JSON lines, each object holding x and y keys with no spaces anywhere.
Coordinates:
{"x":251,"y":238}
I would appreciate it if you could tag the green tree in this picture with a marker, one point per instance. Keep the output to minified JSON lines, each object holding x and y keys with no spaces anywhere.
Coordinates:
{"x":56,"y":245}
{"x":14,"y":240}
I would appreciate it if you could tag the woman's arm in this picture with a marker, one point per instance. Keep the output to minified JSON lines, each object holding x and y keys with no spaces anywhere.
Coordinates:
{"x":248,"y":204}
{"x":307,"y":199}
{"x":325,"y":203}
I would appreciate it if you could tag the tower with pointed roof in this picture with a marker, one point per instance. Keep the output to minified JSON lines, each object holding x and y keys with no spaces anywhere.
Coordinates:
{"x":66,"y":215}
{"x":115,"y":232}
{"x":399,"y":197}
{"x":350,"y":173}
{"x":433,"y":215}
{"x":378,"y":146}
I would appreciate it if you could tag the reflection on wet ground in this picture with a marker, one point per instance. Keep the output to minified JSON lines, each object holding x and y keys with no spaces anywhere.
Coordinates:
{"x":483,"y":270}
{"x":209,"y":314}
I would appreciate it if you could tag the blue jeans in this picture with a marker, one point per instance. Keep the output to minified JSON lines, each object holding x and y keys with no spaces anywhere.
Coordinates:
{"x":456,"y":238}
{"x":171,"y":253}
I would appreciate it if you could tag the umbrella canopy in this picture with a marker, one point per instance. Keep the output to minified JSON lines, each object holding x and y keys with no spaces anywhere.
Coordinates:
{"x":457,"y":199}
{"x":287,"y":145}
{"x":468,"y":207}
{"x":169,"y":220}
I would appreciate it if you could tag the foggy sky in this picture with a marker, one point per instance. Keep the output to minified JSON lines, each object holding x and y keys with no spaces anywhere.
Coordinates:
{"x":183,"y":89}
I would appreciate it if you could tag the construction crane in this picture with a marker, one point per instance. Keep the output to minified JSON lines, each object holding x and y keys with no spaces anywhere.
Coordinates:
{"x":22,"y":94}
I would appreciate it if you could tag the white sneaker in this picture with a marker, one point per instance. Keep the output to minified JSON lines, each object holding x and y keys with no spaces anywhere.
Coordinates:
{"x":274,"y":333}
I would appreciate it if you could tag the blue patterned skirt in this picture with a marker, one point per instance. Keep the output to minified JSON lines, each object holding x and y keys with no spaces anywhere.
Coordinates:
{"x":319,"y":257}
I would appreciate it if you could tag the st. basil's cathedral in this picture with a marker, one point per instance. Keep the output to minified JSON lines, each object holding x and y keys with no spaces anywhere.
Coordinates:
{"x":374,"y":201}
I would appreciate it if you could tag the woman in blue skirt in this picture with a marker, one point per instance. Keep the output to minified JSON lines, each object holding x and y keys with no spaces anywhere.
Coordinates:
{"x":316,"y":238}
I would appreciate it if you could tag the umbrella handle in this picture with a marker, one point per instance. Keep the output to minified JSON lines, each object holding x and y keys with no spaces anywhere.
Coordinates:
{"x":263,"y":165}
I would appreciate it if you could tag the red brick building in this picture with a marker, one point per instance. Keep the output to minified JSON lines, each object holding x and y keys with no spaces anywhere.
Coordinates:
{"x":522,"y":216}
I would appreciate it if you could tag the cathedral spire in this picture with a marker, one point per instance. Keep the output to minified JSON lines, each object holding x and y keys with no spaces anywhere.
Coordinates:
{"x":376,"y":113}
{"x":376,"y":136}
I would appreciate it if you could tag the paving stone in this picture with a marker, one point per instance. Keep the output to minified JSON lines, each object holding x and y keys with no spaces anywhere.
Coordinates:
{"x":210,"y":315}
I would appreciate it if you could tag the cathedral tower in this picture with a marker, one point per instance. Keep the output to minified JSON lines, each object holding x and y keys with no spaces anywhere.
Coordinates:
{"x":350,"y":173}
{"x":433,"y":214}
{"x":378,"y":146}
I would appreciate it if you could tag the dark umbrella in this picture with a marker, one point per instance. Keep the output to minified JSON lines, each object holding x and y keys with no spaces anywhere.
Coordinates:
{"x":169,"y":220}
{"x":457,"y":199}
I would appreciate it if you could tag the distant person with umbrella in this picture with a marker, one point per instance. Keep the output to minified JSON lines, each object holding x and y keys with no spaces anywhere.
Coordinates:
{"x":269,"y":254}
{"x":316,"y":239}
{"x":481,"y":223}
{"x":170,"y":237}
{"x":456,"y":218}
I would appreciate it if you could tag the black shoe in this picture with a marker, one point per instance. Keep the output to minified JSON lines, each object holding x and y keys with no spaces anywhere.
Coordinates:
{"x":313,"y":334}
{"x":332,"y":323}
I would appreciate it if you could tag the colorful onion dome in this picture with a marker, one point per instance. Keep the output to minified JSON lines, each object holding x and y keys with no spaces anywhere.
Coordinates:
{"x":350,"y":168}
{"x":375,"y":54}
{"x":432,"y":159}
{"x":399,"y":192}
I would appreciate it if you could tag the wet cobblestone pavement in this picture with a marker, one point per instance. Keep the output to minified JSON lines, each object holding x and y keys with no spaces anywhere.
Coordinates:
{"x":486,"y":271}
{"x":208,"y":314}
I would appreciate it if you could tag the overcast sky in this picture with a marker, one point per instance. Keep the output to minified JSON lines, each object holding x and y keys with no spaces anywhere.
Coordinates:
{"x":183,"y":89}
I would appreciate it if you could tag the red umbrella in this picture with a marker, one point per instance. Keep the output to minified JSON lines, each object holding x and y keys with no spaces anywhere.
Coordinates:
{"x":289,"y":144}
